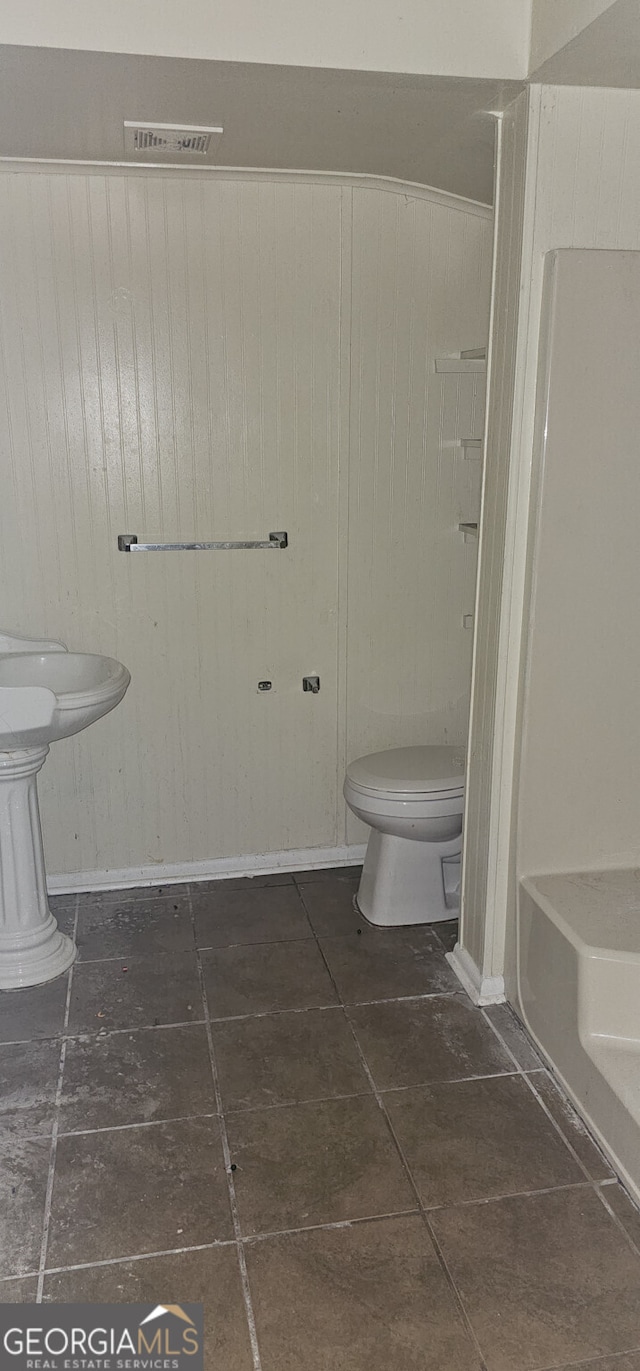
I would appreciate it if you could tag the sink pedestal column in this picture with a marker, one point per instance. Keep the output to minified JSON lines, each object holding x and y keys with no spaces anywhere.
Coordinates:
{"x":32,"y":949}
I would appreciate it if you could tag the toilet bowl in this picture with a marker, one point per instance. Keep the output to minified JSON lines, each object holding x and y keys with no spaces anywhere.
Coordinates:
{"x":412,"y":798}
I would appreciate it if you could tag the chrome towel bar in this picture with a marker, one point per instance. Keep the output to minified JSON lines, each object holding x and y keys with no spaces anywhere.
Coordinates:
{"x":128,"y":542}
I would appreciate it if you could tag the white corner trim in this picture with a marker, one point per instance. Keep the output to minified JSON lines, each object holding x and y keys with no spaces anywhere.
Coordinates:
{"x":217,"y":869}
{"x":482,"y":990}
{"x":355,"y":179}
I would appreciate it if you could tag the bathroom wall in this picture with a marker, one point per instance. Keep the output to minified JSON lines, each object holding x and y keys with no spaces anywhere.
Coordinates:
{"x":482,"y":802}
{"x":578,"y":806}
{"x":582,"y":189}
{"x":442,"y":37}
{"x":214,"y":357}
{"x":411,"y":575}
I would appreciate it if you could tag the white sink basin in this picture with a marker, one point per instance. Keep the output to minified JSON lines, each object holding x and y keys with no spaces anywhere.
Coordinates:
{"x":45,"y":696}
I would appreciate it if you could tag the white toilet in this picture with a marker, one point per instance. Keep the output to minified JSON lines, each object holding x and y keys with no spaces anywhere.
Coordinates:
{"x":413,"y":800}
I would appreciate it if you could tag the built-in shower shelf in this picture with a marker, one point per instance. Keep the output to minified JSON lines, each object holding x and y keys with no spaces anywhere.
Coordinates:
{"x":470,"y":359}
{"x":472,"y":448}
{"x":469,"y":530}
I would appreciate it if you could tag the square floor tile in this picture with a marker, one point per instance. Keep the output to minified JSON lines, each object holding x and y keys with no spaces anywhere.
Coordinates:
{"x":132,"y":1190}
{"x":24,"y":1168}
{"x":37,"y":1012}
{"x":209,"y":1277}
{"x":414,"y":1042}
{"x":545,"y":1279}
{"x":286,"y":1058}
{"x":383,"y":964}
{"x":135,"y":992}
{"x":513,"y":1034}
{"x":263,"y":914}
{"x":122,"y":1078}
{"x":575,"y":1131}
{"x":28,"y":1083}
{"x":137,"y":928}
{"x":329,"y":905}
{"x":260,"y":979}
{"x":315,"y":1163}
{"x":371,"y":1297}
{"x":470,"y":1140}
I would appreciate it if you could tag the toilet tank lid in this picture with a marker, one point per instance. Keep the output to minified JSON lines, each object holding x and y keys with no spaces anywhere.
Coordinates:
{"x":411,"y":770}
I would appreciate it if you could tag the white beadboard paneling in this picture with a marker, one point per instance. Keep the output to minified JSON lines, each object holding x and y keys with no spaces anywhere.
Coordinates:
{"x":420,"y":289}
{"x":172,"y":360}
{"x":582,"y":190}
{"x":179,"y":363}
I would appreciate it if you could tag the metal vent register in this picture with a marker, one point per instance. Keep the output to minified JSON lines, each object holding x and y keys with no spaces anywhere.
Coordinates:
{"x":177,"y":139}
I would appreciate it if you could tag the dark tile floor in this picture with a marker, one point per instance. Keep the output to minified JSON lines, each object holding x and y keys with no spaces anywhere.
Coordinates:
{"x":242,"y":1094}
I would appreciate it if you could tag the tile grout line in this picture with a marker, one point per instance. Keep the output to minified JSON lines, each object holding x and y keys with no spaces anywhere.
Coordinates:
{"x":126,"y":1127}
{"x":596,"y":1185}
{"x":618,"y":1221}
{"x":543,"y":1105}
{"x":141,"y":958}
{"x":46,"y":1222}
{"x":331,"y":1225}
{"x":253,"y":1238}
{"x":123,"y":1260}
{"x":595,"y":1362}
{"x":233,"y":1203}
{"x":233,"y":1018}
{"x":267,"y":1108}
{"x":503,"y":1042}
{"x":418,"y":1211}
{"x":545,"y":1108}
{"x":466,"y":1322}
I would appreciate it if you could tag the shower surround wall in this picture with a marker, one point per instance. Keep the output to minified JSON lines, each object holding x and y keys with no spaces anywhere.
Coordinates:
{"x":571,"y":178}
{"x":193,"y":357}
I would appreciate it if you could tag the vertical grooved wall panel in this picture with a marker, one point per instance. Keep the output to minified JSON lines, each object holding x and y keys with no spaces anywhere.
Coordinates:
{"x":421,"y":275}
{"x":178,"y":362}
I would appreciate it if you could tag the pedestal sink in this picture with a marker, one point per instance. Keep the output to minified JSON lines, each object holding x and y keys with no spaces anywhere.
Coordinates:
{"x":46,"y":693}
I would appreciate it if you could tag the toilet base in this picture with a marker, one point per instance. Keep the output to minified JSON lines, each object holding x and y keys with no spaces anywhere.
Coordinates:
{"x":403,"y":881}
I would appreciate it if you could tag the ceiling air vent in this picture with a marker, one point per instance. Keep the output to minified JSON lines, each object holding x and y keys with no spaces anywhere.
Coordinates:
{"x":170,"y":140}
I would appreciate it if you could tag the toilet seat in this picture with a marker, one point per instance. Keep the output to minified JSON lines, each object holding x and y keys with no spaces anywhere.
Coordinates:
{"x":407,"y":775}
{"x":402,"y":799}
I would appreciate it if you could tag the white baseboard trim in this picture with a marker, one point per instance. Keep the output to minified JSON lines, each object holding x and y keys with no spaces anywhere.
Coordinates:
{"x":482,"y":990}
{"x":217,"y":869}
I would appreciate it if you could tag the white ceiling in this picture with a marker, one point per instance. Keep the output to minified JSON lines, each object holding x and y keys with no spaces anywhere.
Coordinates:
{"x":57,"y":103}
